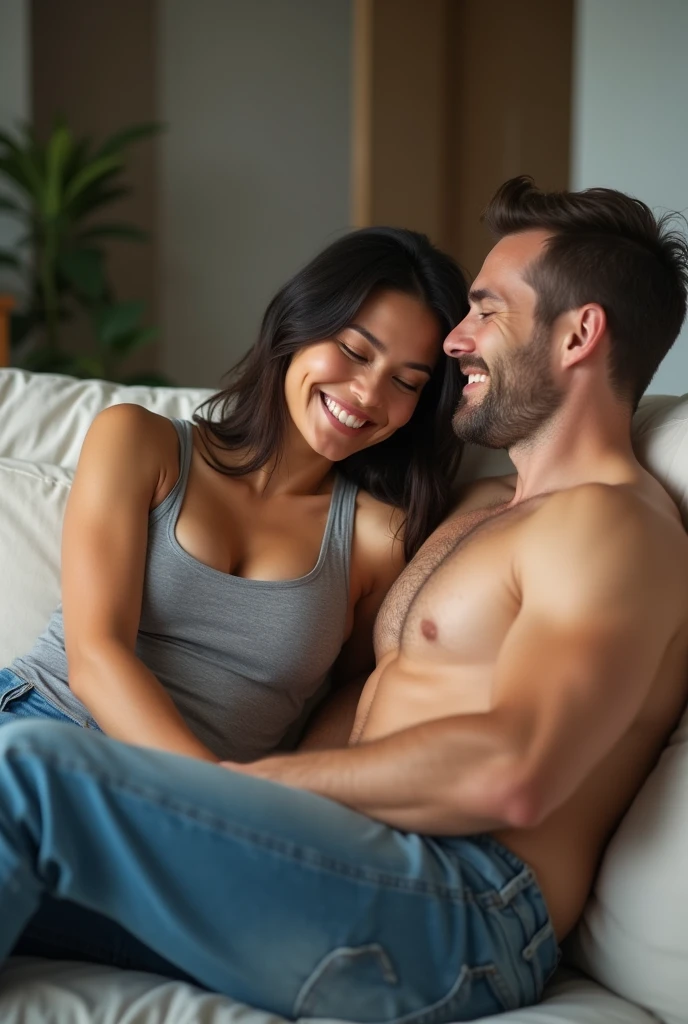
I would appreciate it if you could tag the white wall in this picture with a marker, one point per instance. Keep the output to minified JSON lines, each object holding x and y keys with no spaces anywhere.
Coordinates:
{"x":630,"y":117}
{"x":14,"y":98}
{"x":254,"y":166}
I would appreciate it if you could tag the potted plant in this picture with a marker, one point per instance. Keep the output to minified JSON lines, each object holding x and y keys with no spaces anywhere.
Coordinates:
{"x":57,"y":190}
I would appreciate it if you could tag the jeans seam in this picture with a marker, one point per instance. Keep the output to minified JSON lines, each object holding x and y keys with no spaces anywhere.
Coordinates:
{"x":287,"y":850}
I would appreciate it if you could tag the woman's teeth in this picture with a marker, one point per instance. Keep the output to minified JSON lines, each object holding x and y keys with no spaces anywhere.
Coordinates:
{"x":342,"y":415}
{"x":477,"y":378}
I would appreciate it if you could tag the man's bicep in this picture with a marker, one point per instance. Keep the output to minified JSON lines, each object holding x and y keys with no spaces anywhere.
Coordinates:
{"x":578,"y":662}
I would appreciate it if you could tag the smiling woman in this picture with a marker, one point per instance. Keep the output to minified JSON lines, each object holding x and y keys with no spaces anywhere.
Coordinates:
{"x":215,"y":573}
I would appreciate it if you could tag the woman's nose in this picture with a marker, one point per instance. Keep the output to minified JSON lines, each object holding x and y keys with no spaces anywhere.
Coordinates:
{"x":366,"y":389}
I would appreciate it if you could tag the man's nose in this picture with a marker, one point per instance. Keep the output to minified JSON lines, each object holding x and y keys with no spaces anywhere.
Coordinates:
{"x":458,"y":342}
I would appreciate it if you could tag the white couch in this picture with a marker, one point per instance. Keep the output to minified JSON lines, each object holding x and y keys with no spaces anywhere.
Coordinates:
{"x":627,"y":962}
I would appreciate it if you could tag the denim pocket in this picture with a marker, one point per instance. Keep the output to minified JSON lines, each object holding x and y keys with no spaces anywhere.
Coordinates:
{"x":11,"y":687}
{"x":360,"y":984}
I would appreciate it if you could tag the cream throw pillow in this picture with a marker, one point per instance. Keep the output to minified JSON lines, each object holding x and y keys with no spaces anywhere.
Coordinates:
{"x":32,"y":504}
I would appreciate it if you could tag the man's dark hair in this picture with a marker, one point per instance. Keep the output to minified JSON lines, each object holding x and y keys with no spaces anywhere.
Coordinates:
{"x":608,"y":248}
{"x":413,"y":468}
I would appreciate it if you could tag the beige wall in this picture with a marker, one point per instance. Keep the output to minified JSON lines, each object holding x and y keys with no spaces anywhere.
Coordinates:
{"x":255,"y":165}
{"x":94,"y":61}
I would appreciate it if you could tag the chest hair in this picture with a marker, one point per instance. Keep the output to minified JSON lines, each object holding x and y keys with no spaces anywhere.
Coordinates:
{"x":444,"y":540}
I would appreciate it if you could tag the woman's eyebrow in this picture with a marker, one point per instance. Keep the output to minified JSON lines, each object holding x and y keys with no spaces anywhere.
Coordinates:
{"x":381,"y":347}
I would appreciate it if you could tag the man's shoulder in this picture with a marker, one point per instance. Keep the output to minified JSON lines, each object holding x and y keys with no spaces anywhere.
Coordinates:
{"x":599,"y":506}
{"x":601,"y":523}
{"x":485,"y":493}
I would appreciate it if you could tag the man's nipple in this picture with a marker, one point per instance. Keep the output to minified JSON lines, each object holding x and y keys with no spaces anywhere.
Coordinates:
{"x":428,"y":629}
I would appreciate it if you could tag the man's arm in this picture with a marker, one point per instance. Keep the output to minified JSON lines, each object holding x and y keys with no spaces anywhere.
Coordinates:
{"x":573,"y":672}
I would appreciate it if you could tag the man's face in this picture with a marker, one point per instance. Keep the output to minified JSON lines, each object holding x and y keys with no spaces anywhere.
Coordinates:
{"x":511,"y":391}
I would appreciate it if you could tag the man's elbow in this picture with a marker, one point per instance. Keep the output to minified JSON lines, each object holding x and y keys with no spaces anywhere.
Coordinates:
{"x":518,"y":798}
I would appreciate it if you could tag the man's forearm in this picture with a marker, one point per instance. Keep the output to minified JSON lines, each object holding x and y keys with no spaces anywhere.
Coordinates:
{"x":446,"y":777}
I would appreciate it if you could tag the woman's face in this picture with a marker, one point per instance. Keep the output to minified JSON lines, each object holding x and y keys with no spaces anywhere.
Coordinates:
{"x":354,"y":390}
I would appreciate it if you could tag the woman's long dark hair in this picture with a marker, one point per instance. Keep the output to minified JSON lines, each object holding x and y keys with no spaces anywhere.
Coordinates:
{"x":415,"y":467}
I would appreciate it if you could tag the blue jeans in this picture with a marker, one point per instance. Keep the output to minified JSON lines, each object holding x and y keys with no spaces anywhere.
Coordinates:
{"x":20,"y":699}
{"x":274,"y":896}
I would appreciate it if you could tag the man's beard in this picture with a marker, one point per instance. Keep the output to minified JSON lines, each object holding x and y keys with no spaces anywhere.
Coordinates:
{"x":521,"y":396}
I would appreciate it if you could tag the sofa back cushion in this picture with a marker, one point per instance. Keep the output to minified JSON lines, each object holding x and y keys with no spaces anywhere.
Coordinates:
{"x":32,"y":503}
{"x":44,"y":417}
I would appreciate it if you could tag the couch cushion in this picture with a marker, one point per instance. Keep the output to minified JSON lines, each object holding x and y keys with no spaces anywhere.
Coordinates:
{"x":44,"y":417}
{"x":45,"y":992}
{"x":633,"y":937}
{"x":32,"y":504}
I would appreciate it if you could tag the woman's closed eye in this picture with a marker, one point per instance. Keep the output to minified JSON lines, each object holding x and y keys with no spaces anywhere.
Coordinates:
{"x":352,"y":353}
{"x":406,"y":385}
{"x":358,"y":357}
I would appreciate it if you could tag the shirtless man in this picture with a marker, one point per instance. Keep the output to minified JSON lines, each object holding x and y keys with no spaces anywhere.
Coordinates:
{"x":531,"y":664}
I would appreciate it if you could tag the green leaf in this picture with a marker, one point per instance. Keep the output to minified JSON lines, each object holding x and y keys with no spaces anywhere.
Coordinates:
{"x":152,"y":380}
{"x":12,"y":169}
{"x":124,"y":231}
{"x":128,"y":343}
{"x":85,"y":367}
{"x":84,"y":269}
{"x":117,"y":321}
{"x":95,"y":197}
{"x":58,"y":151}
{"x":78,"y":156}
{"x":8,"y":259}
{"x":20,"y":325}
{"x":9,"y":206}
{"x":135,"y":133}
{"x":42,"y":360}
{"x":89,"y":174}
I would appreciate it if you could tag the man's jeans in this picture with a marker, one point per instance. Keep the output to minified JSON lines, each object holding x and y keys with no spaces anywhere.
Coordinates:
{"x":274,"y":896}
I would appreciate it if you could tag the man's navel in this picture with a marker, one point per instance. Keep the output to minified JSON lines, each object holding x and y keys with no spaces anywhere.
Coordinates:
{"x":428,"y":629}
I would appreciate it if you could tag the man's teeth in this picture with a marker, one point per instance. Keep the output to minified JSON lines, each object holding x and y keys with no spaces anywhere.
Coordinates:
{"x":342,"y":415}
{"x":477,"y":378}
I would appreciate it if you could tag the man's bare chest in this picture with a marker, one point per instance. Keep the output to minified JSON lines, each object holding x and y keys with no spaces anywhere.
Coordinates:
{"x":441,"y":546}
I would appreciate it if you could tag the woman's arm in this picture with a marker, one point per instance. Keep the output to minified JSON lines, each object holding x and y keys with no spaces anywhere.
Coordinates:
{"x":129,"y":459}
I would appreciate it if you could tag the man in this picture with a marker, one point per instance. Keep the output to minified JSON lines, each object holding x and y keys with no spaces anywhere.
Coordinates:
{"x":531,"y":664}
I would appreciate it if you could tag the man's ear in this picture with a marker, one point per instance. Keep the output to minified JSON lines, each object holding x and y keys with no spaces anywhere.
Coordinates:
{"x":584,"y":329}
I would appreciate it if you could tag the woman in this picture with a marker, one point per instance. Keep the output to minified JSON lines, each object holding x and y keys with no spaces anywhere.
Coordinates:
{"x":214,"y":572}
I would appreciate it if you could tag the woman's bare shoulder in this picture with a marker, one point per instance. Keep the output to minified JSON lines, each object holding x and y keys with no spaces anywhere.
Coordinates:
{"x":130,"y":436}
{"x":378,"y":546}
{"x":378,"y":517}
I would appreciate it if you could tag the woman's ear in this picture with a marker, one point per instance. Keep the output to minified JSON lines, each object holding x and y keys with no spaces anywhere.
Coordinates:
{"x":586,"y":327}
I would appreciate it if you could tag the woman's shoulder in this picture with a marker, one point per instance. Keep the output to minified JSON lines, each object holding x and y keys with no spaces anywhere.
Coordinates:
{"x":378,"y":548}
{"x":376,"y":517}
{"x":127,"y":434}
{"x":130,"y":424}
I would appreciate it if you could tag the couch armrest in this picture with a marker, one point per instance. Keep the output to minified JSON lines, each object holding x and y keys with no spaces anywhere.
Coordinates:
{"x":6,"y":307}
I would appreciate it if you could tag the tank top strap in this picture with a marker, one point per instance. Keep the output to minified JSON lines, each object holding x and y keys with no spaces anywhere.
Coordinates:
{"x":173,"y":501}
{"x":341,"y":523}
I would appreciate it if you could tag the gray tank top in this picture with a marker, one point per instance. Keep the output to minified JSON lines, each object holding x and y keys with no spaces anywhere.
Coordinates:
{"x":239,"y":657}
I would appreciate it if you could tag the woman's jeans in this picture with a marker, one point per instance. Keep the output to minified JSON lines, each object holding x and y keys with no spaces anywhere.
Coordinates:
{"x":272,"y":895}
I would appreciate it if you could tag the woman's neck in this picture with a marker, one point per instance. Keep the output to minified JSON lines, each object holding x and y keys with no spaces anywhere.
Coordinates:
{"x":297,"y":470}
